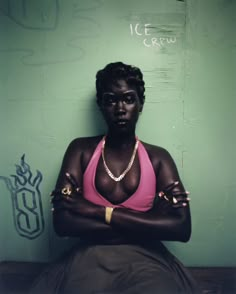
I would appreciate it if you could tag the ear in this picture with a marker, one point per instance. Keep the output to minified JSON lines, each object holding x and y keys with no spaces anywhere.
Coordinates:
{"x":141,"y":108}
{"x":141,"y":103}
{"x":98,"y":103}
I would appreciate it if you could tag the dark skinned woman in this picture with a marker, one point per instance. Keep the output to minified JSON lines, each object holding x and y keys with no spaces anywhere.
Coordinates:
{"x":121,"y":197}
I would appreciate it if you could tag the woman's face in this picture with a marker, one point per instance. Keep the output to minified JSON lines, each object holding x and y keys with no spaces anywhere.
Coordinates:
{"x":120,"y":106}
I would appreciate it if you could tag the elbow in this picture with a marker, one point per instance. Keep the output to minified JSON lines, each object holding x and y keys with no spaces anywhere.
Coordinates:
{"x":182,"y":228}
{"x":185,"y":237}
{"x":59,"y":224}
{"x":185,"y":231}
{"x":60,"y":232}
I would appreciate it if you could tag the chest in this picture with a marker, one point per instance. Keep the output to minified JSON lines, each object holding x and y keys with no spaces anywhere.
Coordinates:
{"x":117,"y":192}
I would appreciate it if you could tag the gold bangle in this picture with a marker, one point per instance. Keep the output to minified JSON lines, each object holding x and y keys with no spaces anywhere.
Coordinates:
{"x":108,"y":214}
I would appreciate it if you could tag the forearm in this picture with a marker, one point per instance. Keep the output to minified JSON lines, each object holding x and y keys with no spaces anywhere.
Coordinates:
{"x":163,"y":222}
{"x":91,"y":229}
{"x":78,"y":217}
{"x":151,"y":226}
{"x":169,"y":219}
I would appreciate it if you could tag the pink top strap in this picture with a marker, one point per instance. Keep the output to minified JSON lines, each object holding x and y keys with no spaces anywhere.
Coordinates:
{"x":141,"y":200}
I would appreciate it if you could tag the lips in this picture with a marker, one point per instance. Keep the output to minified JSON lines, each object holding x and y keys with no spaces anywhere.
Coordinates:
{"x":121,"y":122}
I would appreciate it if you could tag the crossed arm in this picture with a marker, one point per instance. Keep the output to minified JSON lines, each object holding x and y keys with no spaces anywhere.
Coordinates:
{"x":169,"y":219}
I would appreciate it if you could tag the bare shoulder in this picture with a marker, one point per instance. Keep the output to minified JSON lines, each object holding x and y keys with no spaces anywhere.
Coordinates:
{"x":83,"y":147}
{"x":164,"y":166}
{"x":80,"y":150}
{"x":85,"y":144}
{"x":157,"y":154}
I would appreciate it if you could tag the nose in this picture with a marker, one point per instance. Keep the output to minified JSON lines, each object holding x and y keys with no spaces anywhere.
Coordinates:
{"x":120,"y":108}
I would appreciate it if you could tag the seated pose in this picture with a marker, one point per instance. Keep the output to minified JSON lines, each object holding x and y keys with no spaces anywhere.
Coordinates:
{"x":121,"y":197}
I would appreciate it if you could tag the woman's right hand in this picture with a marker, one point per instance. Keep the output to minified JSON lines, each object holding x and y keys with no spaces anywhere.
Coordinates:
{"x":78,"y":205}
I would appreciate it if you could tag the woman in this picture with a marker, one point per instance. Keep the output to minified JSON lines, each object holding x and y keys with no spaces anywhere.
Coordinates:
{"x":122,"y":197}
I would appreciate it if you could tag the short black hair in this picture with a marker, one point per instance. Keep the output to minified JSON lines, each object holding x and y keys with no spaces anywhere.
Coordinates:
{"x":119,"y":70}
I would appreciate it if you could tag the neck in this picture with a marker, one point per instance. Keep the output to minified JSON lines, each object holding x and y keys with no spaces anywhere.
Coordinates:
{"x":120,"y":140}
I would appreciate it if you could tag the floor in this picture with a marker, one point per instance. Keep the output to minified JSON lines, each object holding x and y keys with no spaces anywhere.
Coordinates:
{"x":16,"y":277}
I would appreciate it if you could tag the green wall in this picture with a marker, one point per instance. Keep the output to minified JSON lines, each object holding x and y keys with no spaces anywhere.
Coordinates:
{"x":50,"y":52}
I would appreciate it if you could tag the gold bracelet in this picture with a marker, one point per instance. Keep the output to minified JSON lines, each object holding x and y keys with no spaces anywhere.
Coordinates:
{"x":108,"y":214}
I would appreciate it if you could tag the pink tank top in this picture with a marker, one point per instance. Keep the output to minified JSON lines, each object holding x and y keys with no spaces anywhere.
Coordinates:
{"x":143,"y":197}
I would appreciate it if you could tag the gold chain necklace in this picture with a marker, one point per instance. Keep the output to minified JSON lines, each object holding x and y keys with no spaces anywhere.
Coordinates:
{"x":110,"y":174}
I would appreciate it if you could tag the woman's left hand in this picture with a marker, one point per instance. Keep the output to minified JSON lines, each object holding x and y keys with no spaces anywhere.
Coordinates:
{"x":176,"y":198}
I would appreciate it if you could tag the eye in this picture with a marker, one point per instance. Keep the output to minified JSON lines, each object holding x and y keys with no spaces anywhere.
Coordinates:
{"x":129,"y":98}
{"x":108,"y":99}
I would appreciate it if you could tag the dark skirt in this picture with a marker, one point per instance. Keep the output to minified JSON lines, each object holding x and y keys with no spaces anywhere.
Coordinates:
{"x":128,"y":269}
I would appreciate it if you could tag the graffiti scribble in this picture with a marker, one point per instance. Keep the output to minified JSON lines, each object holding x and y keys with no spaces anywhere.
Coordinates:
{"x":32,"y":15}
{"x":26,"y":200}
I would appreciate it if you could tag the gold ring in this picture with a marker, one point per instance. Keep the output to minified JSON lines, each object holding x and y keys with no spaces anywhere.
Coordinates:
{"x":66,"y":191}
